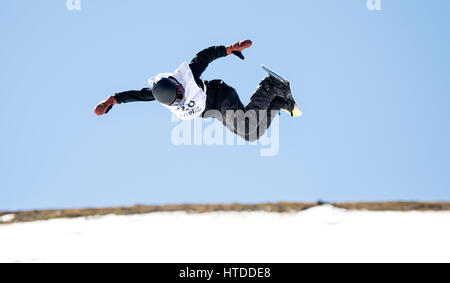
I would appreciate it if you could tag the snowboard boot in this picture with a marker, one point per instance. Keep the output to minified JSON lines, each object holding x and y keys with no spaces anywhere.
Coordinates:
{"x":279,"y":103}
{"x":287,"y":105}
{"x":266,"y":92}
{"x":286,"y":93}
{"x":104,"y":106}
{"x":283,"y":95}
{"x":277,"y":87}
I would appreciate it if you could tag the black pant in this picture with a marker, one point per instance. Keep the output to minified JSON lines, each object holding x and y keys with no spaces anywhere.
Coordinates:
{"x":249,"y":122}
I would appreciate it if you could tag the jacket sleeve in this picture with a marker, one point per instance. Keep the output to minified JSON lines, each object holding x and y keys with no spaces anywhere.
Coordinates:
{"x":201,"y":61}
{"x":144,"y":94}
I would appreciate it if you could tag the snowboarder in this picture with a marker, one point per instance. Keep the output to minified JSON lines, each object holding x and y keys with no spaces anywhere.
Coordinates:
{"x":185,"y":94}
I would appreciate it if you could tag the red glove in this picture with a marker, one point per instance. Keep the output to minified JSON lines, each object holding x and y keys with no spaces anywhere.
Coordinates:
{"x":237,"y":48}
{"x":104,"y":106}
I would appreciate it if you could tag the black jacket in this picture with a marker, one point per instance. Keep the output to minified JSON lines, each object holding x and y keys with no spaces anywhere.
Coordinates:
{"x":198,"y":65}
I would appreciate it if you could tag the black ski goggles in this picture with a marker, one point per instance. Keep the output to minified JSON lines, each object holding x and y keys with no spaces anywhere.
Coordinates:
{"x":179,"y":98}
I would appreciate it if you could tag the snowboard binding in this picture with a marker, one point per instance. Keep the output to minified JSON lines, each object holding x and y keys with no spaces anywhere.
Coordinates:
{"x":295,"y":112}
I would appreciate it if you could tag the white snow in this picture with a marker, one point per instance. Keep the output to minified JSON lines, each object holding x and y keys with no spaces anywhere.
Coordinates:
{"x":7,"y":218}
{"x":320,"y":234}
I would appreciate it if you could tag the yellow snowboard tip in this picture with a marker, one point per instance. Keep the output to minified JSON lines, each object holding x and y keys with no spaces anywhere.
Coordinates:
{"x":295,"y":113}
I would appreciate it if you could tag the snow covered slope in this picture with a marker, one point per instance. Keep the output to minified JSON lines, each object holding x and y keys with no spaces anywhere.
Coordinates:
{"x":319,"y":234}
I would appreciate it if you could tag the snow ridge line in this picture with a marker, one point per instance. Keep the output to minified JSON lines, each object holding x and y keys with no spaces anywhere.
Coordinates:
{"x":280,"y":207}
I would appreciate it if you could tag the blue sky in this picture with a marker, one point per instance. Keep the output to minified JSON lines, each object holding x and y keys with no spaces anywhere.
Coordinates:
{"x":373,"y":85}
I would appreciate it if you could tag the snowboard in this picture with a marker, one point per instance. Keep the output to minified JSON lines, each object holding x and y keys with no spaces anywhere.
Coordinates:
{"x":296,"y":112}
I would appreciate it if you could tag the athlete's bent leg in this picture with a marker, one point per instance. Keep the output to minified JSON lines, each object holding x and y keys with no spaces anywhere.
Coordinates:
{"x":249,"y":122}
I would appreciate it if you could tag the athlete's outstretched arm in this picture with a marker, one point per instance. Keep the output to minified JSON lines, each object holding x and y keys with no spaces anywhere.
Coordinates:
{"x":105,"y":106}
{"x":201,"y":61}
{"x":144,"y":94}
